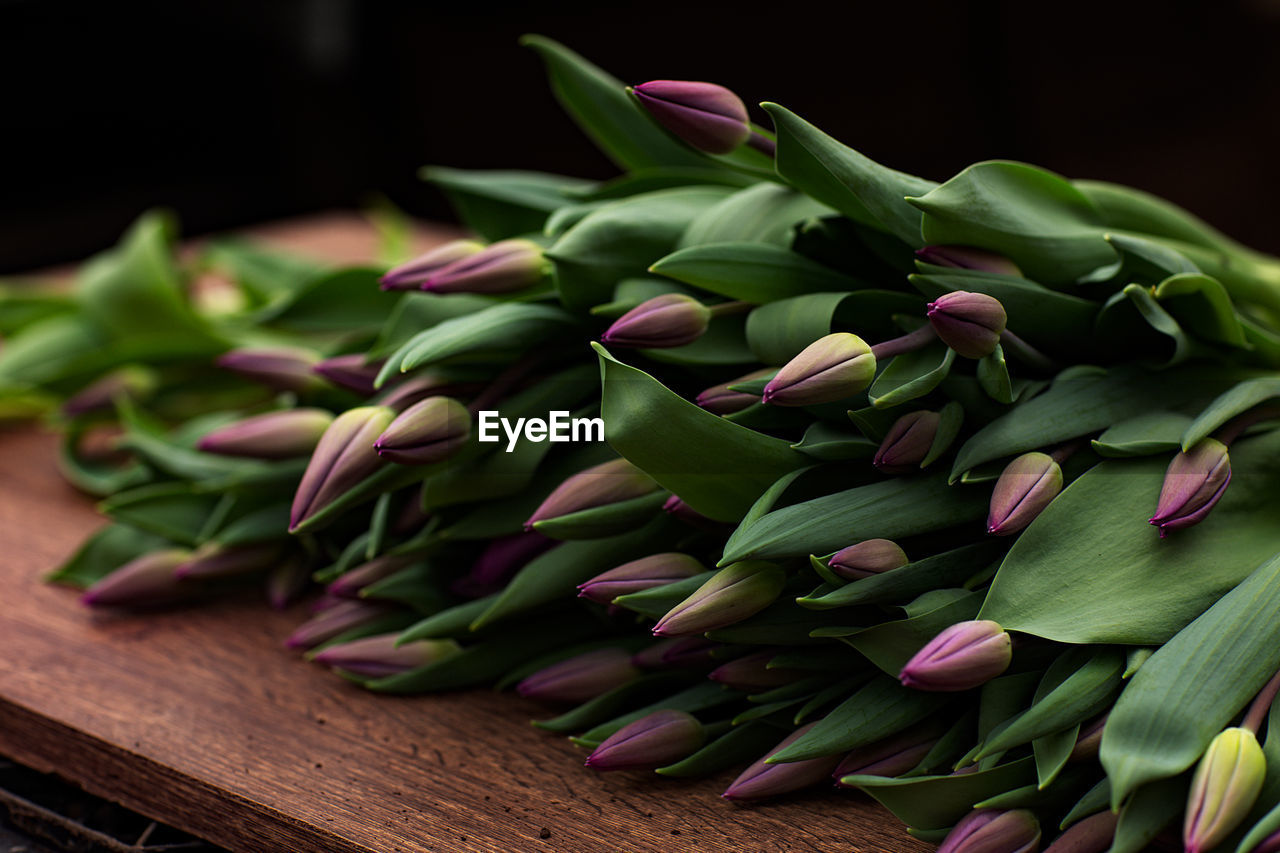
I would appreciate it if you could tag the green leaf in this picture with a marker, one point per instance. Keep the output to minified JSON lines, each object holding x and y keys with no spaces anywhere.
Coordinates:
{"x":779,"y":330}
{"x":740,"y":745}
{"x":937,"y":802}
{"x":764,"y":214}
{"x":1240,"y":399}
{"x":1195,"y":684}
{"x":830,"y":443}
{"x":347,"y":301}
{"x":265,"y":274}
{"x":1201,"y":304}
{"x":1143,"y":435}
{"x":940,"y":571}
{"x":602,"y":521}
{"x":911,"y":375}
{"x":950,"y":420}
{"x":172,"y":510}
{"x":993,"y":376}
{"x":417,"y":312}
{"x":104,"y":552}
{"x":1095,"y":800}
{"x":497,"y":204}
{"x":1052,"y":752}
{"x":751,"y":272}
{"x":1150,"y":810}
{"x":724,"y":343}
{"x":654,"y":602}
{"x":1162,"y":321}
{"x":891,"y":644}
{"x":1128,"y":209}
{"x":836,"y":175}
{"x":447,"y":624}
{"x":640,"y":181}
{"x":698,"y":698}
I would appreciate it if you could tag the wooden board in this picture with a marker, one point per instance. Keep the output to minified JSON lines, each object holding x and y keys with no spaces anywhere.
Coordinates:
{"x":202,"y":719}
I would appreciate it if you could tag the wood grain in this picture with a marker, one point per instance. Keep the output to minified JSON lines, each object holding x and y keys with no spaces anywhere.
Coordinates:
{"x":202,"y":719}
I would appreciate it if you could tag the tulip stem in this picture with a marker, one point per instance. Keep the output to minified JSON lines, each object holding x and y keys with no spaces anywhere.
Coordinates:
{"x":1261,"y":705}
{"x":1237,"y":426}
{"x":905,"y":343}
{"x":763,"y":144}
{"x":725,"y":308}
{"x":1063,"y":452}
{"x":1026,"y":353}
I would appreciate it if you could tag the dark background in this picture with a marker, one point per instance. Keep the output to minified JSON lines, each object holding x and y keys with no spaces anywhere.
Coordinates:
{"x":237,"y":112}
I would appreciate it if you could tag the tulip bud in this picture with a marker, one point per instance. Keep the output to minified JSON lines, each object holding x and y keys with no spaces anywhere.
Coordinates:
{"x":332,"y":621}
{"x":890,"y":757}
{"x":502,"y":267}
{"x":907,"y":442}
{"x":968,"y":258}
{"x":992,"y":831}
{"x":1027,"y":485}
{"x":711,"y":118}
{"x":969,"y":323}
{"x":421,"y":385}
{"x":427,"y":432}
{"x":963,"y":656}
{"x":669,"y":320}
{"x":752,"y":673}
{"x":1226,"y":784}
{"x":279,"y":368}
{"x":871,"y":557}
{"x":608,"y":483}
{"x":343,"y":457}
{"x":829,"y":369}
{"x":637,"y":575}
{"x":762,"y":779}
{"x":580,"y":678}
{"x":145,"y":581}
{"x":212,"y":560}
{"x":379,"y":656}
{"x":1088,"y":741}
{"x":353,"y":372}
{"x":655,"y":740}
{"x":501,"y":559}
{"x":349,"y":584}
{"x":720,"y":400}
{"x":274,"y":435}
{"x":132,"y":383}
{"x":1093,"y":834}
{"x":677,"y":653}
{"x":1194,"y":482}
{"x":411,"y":275}
{"x":287,"y":581}
{"x":730,"y":595}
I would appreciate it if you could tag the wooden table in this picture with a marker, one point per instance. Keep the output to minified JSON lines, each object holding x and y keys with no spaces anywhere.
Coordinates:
{"x":202,"y":719}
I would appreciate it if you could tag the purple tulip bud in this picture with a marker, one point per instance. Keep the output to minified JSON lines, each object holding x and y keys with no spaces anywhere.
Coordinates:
{"x":669,"y":320}
{"x":145,"y":581}
{"x":1193,"y":484}
{"x":132,"y":383}
{"x":720,"y":400}
{"x":503,"y":267}
{"x":961,"y":657}
{"x":992,"y":831}
{"x":692,"y":652}
{"x":871,"y":557}
{"x":1089,"y":740}
{"x":762,"y":779}
{"x":907,"y":442}
{"x":212,"y":560}
{"x":1226,"y":784}
{"x":411,"y":275}
{"x":608,"y":483}
{"x":890,"y":757}
{"x":969,"y":323}
{"x":502,"y":558}
{"x":655,"y":740}
{"x":279,"y":368}
{"x":332,"y":621}
{"x":343,"y":458}
{"x":353,"y":372}
{"x":429,"y":431}
{"x":287,"y":581}
{"x":752,"y":673}
{"x":680,"y":510}
{"x":729,"y":596}
{"x":349,"y":584}
{"x":711,"y":118}
{"x":1093,"y":834}
{"x":968,"y":258}
{"x":829,"y":369}
{"x":274,"y":435}
{"x":637,"y":575}
{"x":1027,"y":485}
{"x":580,"y":678}
{"x":379,"y":656}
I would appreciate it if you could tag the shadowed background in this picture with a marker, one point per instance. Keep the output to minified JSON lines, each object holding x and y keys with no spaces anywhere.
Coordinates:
{"x":233,"y":112}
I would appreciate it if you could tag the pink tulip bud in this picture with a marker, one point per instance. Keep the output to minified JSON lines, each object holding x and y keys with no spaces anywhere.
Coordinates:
{"x":608,"y":483}
{"x":907,"y":442}
{"x":762,"y":779}
{"x":752,"y":673}
{"x":991,"y":831}
{"x":871,"y":557}
{"x":379,"y":656}
{"x":145,"y":581}
{"x":1193,"y":485}
{"x":275,"y":435}
{"x":669,"y":320}
{"x":1027,"y":485}
{"x":413,"y":274}
{"x":580,"y":678}
{"x":968,"y":258}
{"x":721,"y":400}
{"x":502,"y":267}
{"x":969,"y":323}
{"x":279,"y":368}
{"x":732,"y":594}
{"x":963,"y":656}
{"x":427,"y":432}
{"x":343,"y":458}
{"x":831,"y":368}
{"x":709,"y":117}
{"x":353,"y":372}
{"x":655,"y":740}
{"x":641,"y":574}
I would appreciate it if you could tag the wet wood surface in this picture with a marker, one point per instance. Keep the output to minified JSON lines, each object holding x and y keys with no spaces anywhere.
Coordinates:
{"x":202,"y":719}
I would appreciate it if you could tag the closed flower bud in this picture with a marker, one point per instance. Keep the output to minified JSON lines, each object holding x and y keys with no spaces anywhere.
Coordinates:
{"x":729,"y":596}
{"x":212,"y":560}
{"x":762,"y":779}
{"x":343,"y":458}
{"x":608,"y":483}
{"x":637,"y":575}
{"x":963,"y":656}
{"x":1226,"y":784}
{"x":580,"y":678}
{"x":907,"y":442}
{"x":969,"y":323}
{"x":669,"y":320}
{"x":993,"y":831}
{"x":1027,"y":485}
{"x":829,"y":369}
{"x":411,"y":275}
{"x":145,"y":581}
{"x":427,"y":432}
{"x":720,"y":400}
{"x":379,"y":656}
{"x":501,"y":559}
{"x":275,"y":435}
{"x":693,"y":652}
{"x":1194,"y":482}
{"x":332,"y":621}
{"x":711,"y":118}
{"x":132,"y":383}
{"x":655,"y":740}
{"x":890,"y":757}
{"x":278,"y":368}
{"x":353,"y":372}
{"x":1093,"y":834}
{"x":502,"y":267}
{"x":872,"y":557}
{"x":967,"y":258}
{"x":752,"y":673}
{"x":349,"y":584}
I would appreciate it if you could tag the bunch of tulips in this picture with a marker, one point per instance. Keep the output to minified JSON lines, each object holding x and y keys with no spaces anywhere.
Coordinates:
{"x":963,"y":495}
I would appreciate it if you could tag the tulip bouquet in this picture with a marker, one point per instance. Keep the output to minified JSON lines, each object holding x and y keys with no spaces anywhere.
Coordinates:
{"x":964,"y":495}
